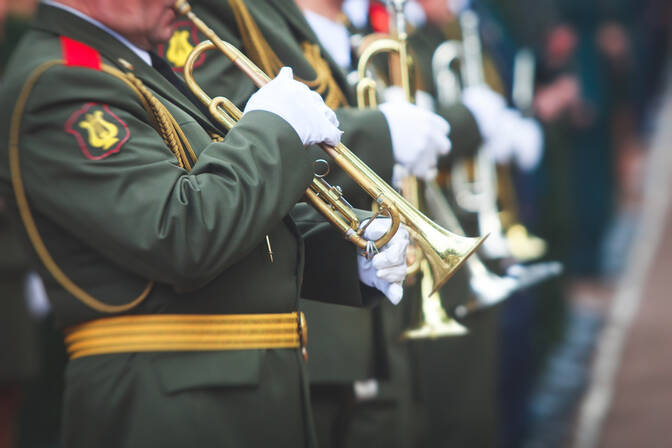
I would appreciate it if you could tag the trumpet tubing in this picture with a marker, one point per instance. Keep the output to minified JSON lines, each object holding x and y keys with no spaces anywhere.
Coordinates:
{"x":445,"y":252}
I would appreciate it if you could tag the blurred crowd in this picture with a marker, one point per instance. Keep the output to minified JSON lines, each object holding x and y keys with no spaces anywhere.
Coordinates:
{"x":599,"y":68}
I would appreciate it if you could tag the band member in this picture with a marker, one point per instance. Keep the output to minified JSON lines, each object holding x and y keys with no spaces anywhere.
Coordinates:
{"x":172,"y":250}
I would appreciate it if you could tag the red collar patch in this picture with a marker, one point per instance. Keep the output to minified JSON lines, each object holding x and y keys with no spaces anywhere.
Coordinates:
{"x":379,"y":18}
{"x":99,"y":131}
{"x":77,"y":54}
{"x":184,"y":39}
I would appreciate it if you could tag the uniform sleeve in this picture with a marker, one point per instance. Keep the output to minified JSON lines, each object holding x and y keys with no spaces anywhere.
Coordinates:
{"x":464,"y":133}
{"x":136,"y":205}
{"x":330,"y":272}
{"x":365,"y":132}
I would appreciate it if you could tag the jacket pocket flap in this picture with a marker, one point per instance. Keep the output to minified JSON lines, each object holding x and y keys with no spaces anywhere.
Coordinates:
{"x":181,"y":371}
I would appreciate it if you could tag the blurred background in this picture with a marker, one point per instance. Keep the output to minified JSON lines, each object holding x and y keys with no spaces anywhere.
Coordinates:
{"x":582,"y":360}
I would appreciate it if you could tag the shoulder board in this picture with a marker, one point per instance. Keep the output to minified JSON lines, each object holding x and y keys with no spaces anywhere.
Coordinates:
{"x":78,"y":54}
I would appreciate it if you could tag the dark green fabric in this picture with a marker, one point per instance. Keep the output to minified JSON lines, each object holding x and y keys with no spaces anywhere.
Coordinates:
{"x":284,"y":28}
{"x":112,"y":224}
{"x":18,"y":349}
{"x":341,"y":339}
{"x":18,"y":356}
{"x":10,"y":32}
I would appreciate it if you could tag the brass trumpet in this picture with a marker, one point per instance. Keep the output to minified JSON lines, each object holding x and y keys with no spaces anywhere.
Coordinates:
{"x":433,"y":320}
{"x":488,"y":288}
{"x":444,"y":251}
{"x":480,"y":195}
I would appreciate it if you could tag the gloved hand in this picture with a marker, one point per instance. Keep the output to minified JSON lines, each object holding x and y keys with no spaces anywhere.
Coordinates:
{"x":395,"y":94}
{"x":418,"y":137}
{"x":528,"y":144}
{"x":517,"y":138}
{"x":487,"y":107}
{"x":387,"y":269}
{"x":299,"y":106}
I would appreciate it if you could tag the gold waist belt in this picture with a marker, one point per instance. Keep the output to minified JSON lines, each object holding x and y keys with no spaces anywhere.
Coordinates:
{"x":186,"y":332}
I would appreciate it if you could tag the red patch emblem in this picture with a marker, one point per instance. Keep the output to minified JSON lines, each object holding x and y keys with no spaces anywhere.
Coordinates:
{"x":379,"y":18}
{"x":99,"y":131}
{"x":77,"y":54}
{"x":184,"y":39}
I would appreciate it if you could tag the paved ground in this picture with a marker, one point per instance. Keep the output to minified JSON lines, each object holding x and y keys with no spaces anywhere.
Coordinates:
{"x":629,"y":400}
{"x":641,"y":411}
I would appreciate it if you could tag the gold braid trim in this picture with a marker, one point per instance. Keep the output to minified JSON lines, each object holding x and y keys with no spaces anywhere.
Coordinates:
{"x":216,"y":137}
{"x":324,"y":80}
{"x":163,"y":122}
{"x":261,"y":53}
{"x":27,"y":216}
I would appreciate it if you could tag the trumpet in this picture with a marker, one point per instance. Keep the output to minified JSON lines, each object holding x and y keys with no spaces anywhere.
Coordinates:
{"x":488,"y":288}
{"x":444,"y":251}
{"x":433,"y":320}
{"x":480,"y":195}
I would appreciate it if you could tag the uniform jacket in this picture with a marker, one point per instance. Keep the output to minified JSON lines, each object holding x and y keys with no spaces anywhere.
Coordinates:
{"x":342,"y":339}
{"x":117,"y":212}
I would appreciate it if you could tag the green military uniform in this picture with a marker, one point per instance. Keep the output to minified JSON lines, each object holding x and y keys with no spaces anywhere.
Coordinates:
{"x":343,"y":340}
{"x":126,"y":213}
{"x":346,"y":344}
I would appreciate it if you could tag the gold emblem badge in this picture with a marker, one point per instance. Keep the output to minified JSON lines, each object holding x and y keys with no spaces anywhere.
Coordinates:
{"x":184,"y":39}
{"x":179,"y":48}
{"x":98,"y":131}
{"x":102,"y":133}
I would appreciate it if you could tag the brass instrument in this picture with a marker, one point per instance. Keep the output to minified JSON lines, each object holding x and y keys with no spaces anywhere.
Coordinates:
{"x":508,"y":237}
{"x":444,"y":251}
{"x":479,"y":196}
{"x":524,"y":245}
{"x":488,"y":288}
{"x":433,"y":322}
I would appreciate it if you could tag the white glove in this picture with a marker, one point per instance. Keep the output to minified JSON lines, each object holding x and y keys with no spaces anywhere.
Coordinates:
{"x":386,"y":271}
{"x":395,"y":94}
{"x":418,"y":137}
{"x":501,"y":144}
{"x":528,"y":144}
{"x":487,"y":107}
{"x":517,"y":138}
{"x":299,"y":106}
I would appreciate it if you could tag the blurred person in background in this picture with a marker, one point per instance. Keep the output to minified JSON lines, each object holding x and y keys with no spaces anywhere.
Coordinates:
{"x":19,"y":362}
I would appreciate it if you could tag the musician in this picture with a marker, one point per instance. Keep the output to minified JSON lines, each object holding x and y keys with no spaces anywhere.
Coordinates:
{"x":172,"y":251}
{"x":470,"y":415}
{"x":347,"y":344}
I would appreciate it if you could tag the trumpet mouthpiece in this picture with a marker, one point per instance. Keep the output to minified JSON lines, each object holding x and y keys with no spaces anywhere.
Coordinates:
{"x":182,"y":7}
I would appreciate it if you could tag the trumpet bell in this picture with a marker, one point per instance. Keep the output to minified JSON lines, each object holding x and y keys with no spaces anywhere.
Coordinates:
{"x":445,"y":252}
{"x":433,"y":321}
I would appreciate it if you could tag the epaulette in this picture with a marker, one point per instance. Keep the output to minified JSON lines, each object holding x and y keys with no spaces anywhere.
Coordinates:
{"x":78,"y":54}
